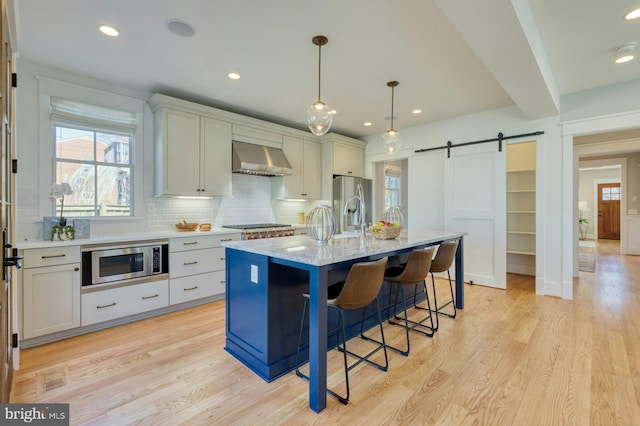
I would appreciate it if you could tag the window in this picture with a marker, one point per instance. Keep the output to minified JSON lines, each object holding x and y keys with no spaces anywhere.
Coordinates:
{"x":391,"y":187}
{"x":92,"y":154}
{"x":611,"y":194}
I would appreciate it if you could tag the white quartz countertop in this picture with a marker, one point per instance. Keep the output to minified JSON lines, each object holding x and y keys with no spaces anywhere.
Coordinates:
{"x":303,"y":249}
{"x":124,"y":238}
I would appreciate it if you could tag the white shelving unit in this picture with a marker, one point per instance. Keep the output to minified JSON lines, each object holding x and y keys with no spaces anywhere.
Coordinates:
{"x":521,"y":208}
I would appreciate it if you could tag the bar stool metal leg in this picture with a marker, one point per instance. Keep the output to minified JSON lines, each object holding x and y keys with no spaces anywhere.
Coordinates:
{"x":358,"y":291}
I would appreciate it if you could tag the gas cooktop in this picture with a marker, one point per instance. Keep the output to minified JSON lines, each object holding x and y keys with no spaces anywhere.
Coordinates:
{"x":258,"y":226}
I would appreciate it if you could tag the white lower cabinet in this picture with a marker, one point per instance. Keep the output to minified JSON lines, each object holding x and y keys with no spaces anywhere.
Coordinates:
{"x":193,"y":262}
{"x":50,"y":291}
{"x":113,"y":303}
{"x":197,"y":267}
{"x":195,"y":287}
{"x":51,"y":299}
{"x":54,"y":302}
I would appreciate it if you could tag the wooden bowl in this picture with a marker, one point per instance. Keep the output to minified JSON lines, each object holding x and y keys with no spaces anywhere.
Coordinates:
{"x":205,"y":227}
{"x":185,"y":227}
{"x":385,"y":232}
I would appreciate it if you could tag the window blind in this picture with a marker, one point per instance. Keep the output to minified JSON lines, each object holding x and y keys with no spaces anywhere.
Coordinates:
{"x":78,"y":114}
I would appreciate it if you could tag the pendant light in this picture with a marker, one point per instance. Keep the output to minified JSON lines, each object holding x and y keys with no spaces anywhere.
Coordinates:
{"x":319,"y":115}
{"x":391,"y":139}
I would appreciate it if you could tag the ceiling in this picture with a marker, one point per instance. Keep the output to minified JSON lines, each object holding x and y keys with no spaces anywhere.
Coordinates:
{"x":451,"y":57}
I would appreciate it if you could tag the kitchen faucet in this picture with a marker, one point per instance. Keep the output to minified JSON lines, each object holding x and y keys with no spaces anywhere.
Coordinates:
{"x":359,"y":210}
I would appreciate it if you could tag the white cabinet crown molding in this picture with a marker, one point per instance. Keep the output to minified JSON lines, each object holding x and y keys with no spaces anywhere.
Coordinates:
{"x":157,"y":101}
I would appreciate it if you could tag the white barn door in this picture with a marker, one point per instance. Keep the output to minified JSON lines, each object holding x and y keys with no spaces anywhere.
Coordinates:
{"x":475,"y":203}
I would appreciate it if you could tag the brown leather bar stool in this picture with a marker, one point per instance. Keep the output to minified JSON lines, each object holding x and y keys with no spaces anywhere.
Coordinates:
{"x":358,"y":291}
{"x":414,"y":273}
{"x":441,"y":263}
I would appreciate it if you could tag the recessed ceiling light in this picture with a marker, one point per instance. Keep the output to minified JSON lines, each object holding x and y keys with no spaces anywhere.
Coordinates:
{"x":625,"y":53}
{"x":368,"y":123}
{"x":234,"y":76}
{"x":624,"y":58}
{"x":416,"y":111}
{"x":109,"y":30}
{"x":180,"y":28}
{"x":634,"y":14}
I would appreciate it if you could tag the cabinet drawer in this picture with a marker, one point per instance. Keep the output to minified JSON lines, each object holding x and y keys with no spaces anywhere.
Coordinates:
{"x":36,"y":258}
{"x":198,"y":242}
{"x":196,"y":262}
{"x":120,"y":302}
{"x":195,"y":287}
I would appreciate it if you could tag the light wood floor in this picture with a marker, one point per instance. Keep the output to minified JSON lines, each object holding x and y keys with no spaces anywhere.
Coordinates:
{"x":510,"y":358}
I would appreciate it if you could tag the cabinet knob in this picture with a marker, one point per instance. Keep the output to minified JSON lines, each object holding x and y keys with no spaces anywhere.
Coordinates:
{"x":76,"y":269}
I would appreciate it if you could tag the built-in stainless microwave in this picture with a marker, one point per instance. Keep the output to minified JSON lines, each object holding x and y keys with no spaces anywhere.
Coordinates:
{"x":103,"y":265}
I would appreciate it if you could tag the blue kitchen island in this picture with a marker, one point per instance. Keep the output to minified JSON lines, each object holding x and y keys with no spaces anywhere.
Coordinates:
{"x":265,"y":280}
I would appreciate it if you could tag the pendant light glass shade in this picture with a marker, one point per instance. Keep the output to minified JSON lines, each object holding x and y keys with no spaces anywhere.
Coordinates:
{"x":319,"y":115}
{"x":319,"y":118}
{"x":391,"y":139}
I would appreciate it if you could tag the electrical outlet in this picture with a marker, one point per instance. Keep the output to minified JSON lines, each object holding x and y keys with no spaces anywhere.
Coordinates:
{"x":254,"y":274}
{"x":154,"y":224}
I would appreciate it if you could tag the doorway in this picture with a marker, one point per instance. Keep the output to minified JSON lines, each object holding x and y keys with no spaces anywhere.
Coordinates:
{"x":609,"y":211}
{"x":608,"y":138}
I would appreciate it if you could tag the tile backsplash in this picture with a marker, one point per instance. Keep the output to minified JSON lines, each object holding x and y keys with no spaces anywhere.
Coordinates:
{"x":251,"y":203}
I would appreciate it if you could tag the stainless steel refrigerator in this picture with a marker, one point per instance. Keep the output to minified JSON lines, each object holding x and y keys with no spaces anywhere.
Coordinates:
{"x":348,"y":202}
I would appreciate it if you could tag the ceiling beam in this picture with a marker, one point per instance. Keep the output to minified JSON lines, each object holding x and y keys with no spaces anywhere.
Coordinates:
{"x":503,"y":34}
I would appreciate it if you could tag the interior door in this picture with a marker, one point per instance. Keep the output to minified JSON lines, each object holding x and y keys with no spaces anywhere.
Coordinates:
{"x":7,"y":296}
{"x":475,"y":203}
{"x":609,"y":211}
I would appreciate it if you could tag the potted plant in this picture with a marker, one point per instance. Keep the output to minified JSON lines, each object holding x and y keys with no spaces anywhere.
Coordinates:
{"x":61,"y":231}
{"x":583,"y":224}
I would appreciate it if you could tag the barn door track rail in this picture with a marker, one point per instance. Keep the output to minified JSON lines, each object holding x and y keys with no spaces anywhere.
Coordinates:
{"x":499,"y":139}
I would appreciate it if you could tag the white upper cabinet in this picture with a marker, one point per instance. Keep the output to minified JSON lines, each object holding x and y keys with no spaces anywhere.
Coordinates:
{"x":345,"y":156}
{"x":255,"y":136}
{"x":192,"y":154}
{"x":215,"y":157}
{"x":305,"y":182}
{"x":348,"y":160}
{"x":340,"y":156}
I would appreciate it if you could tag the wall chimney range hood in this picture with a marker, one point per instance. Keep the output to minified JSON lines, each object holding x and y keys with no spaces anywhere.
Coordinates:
{"x":259,"y":160}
